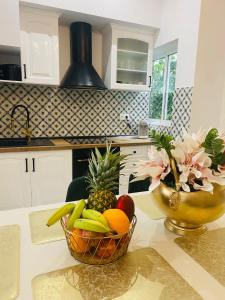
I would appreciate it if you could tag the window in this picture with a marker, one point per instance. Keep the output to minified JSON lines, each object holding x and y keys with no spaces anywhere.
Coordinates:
{"x":163,"y":83}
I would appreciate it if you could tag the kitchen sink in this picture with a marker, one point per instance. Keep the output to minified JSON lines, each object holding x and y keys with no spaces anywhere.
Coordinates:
{"x":22,"y":142}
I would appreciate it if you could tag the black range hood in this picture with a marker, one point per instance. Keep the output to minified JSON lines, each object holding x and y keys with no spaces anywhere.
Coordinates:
{"x":81,"y":73}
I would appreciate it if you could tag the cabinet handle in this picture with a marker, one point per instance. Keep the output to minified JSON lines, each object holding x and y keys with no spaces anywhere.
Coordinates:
{"x":134,"y":152}
{"x":26,"y":163}
{"x":25,"y":71}
{"x":150,"y":81}
{"x":83,"y":160}
{"x":33,"y":164}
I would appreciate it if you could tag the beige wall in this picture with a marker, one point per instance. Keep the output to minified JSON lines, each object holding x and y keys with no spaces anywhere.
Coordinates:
{"x":180,"y":20}
{"x":208,"y":108}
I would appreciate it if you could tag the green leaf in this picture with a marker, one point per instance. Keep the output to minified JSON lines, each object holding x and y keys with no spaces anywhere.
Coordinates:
{"x":211,"y":136}
{"x":214,"y":146}
{"x":217,"y":145}
{"x":218,"y":159}
{"x":161,"y":141}
{"x":104,"y":169}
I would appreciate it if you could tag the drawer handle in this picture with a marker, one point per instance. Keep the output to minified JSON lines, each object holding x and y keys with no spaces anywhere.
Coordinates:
{"x":134,"y":152}
{"x":33,"y":163}
{"x":26,"y":163}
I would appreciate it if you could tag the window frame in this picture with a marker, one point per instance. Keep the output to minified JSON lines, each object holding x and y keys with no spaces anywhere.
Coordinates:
{"x":164,"y":51}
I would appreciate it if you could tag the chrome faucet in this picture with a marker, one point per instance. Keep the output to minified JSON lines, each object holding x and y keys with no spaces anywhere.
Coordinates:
{"x":26,"y":130}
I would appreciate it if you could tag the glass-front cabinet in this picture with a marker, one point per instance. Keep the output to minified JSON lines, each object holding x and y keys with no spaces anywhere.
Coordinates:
{"x":132,"y":62}
{"x":128,"y":61}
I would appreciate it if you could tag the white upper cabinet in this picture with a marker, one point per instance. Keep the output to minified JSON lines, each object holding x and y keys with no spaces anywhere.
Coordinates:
{"x":39,"y":46}
{"x":127,"y":58}
{"x":9,"y":23}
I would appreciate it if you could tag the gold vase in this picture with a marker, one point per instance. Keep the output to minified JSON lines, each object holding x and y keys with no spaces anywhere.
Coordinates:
{"x":187,"y":213}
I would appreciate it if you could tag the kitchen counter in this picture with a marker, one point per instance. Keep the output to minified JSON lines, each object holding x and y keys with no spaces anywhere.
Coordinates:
{"x":61,"y":144}
{"x":43,"y":258}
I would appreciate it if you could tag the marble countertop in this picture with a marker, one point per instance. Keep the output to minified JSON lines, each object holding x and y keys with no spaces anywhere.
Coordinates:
{"x":47,"y":257}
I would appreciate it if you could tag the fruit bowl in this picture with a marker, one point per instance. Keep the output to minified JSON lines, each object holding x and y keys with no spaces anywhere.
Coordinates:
{"x":97,"y":248}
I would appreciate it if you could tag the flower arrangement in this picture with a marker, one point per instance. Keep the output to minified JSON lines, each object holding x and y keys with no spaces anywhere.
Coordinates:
{"x":189,"y":164}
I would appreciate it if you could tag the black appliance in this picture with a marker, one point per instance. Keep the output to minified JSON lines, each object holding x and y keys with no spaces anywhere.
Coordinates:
{"x":10,"y":72}
{"x":81,"y":155}
{"x":81,"y":73}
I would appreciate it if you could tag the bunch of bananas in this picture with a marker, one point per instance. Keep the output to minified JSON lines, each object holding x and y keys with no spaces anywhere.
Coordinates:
{"x":81,"y":218}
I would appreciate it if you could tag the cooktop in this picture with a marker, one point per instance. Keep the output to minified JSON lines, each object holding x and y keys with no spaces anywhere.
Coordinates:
{"x":87,"y":140}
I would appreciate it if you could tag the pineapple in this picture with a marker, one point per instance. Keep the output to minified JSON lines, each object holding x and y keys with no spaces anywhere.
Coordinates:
{"x":103,"y":178}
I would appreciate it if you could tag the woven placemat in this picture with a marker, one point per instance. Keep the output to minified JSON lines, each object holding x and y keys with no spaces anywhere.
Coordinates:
{"x":40,"y":233}
{"x":141,"y":274}
{"x":9,"y":261}
{"x":208,"y":250}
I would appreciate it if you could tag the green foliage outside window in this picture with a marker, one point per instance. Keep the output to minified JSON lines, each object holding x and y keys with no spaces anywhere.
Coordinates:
{"x":161,"y":98}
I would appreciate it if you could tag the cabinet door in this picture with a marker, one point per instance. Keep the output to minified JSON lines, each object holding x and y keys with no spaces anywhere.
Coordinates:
{"x":14,"y":180}
{"x":51,"y":174}
{"x":39,"y":46}
{"x":135,"y":154}
{"x":10,"y":23}
{"x":131,"y":59}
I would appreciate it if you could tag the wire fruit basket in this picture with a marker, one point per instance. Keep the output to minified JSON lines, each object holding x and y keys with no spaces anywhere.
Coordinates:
{"x":97,"y":248}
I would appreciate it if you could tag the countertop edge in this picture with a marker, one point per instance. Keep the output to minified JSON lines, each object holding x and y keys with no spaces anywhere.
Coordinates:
{"x":61,"y":144}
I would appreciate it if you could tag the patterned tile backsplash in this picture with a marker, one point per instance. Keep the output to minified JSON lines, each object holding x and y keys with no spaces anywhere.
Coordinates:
{"x":181,"y":114}
{"x":58,"y":112}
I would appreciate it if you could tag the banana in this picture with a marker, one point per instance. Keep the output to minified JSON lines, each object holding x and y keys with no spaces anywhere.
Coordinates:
{"x":90,"y":225}
{"x":76,"y":213}
{"x":60,"y":212}
{"x":94,"y":215}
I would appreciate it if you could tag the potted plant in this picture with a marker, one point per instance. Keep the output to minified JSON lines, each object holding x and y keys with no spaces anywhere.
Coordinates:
{"x":187,"y":178}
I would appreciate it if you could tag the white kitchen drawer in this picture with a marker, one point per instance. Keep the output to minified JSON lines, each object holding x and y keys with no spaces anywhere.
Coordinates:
{"x":135,"y":159}
{"x":135,"y":154}
{"x":135,"y":150}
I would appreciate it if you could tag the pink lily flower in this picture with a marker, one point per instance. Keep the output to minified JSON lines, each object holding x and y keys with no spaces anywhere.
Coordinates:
{"x":157,"y":167}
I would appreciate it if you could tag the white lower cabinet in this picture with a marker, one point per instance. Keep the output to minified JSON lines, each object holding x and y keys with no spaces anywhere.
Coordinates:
{"x":34,"y":178}
{"x":51,"y":175}
{"x":14,"y":181}
{"x":135,"y":154}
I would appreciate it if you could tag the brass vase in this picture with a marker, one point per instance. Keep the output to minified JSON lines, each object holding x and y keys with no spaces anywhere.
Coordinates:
{"x":187,"y":213}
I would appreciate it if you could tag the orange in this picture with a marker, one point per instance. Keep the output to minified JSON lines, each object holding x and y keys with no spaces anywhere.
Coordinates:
{"x":106,"y":248}
{"x":77,"y":243}
{"x":93,"y":237}
{"x":117,"y":220}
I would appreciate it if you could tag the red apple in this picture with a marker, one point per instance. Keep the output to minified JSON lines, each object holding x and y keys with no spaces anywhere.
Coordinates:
{"x":126,"y":204}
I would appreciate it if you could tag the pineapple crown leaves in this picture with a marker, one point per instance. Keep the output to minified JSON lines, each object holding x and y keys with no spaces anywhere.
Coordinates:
{"x":161,"y":141}
{"x":104,"y":169}
{"x":214,"y":146}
